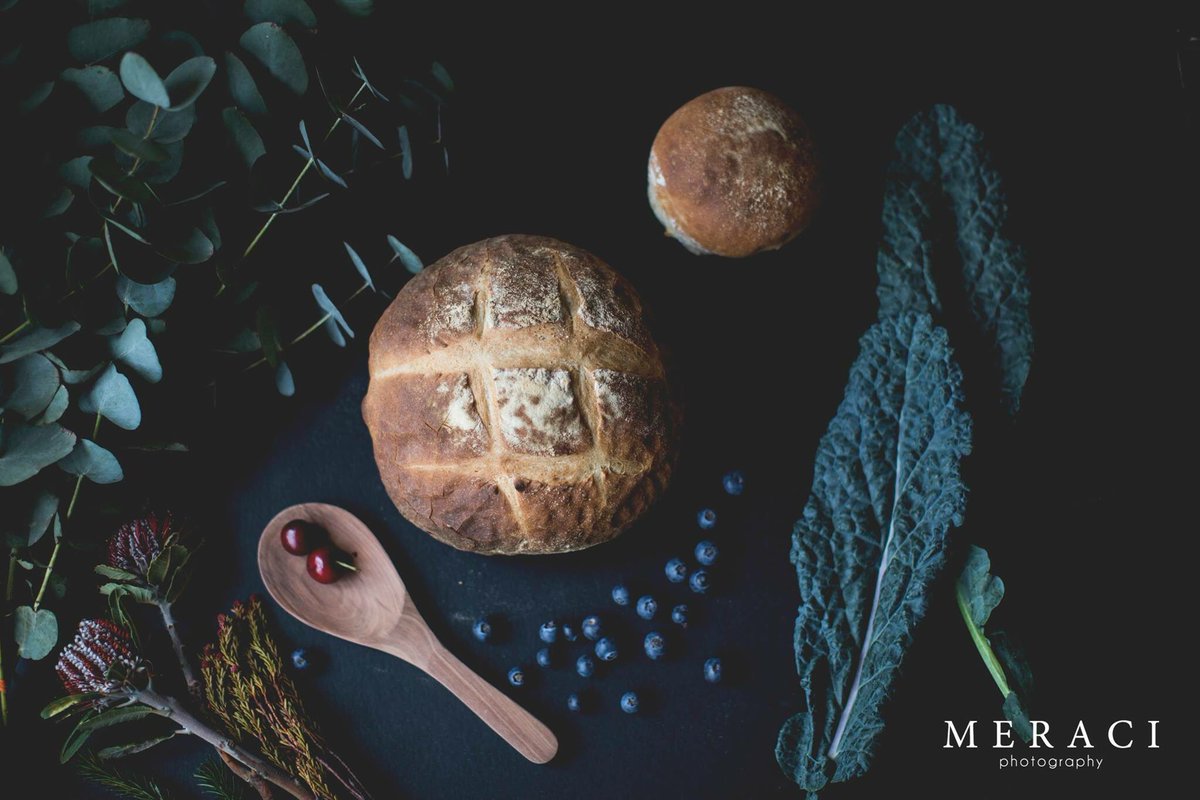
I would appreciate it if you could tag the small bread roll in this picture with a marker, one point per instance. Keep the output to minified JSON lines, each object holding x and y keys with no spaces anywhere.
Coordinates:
{"x":733,"y":172}
{"x":517,"y":402}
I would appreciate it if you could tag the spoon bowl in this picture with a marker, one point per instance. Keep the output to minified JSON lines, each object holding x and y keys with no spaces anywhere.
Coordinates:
{"x":371,"y":607}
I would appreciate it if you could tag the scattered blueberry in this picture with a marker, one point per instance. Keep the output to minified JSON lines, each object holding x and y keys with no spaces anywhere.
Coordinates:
{"x":712,"y":670}
{"x":482,"y":630}
{"x":591,"y":627}
{"x":676,"y":570}
{"x":516,"y":676}
{"x":707,"y":519}
{"x":679,"y":614}
{"x":548,"y":633}
{"x":629,"y":702}
{"x":734,"y":482}
{"x":706,"y":553}
{"x":573,"y":703}
{"x":620,"y":595}
{"x":585,"y":666}
{"x":568,"y":632}
{"x":544,"y":658}
{"x":300,"y":658}
{"x":606,"y":649}
{"x":699,"y":581}
{"x":656,"y":646}
{"x":647,"y":607}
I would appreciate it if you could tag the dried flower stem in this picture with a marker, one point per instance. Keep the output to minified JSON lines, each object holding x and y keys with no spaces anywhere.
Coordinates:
{"x":185,"y":666}
{"x":171,"y":709}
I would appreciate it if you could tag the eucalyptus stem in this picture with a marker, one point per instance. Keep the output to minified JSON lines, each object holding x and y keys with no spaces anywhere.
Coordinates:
{"x":171,"y":709}
{"x":137,"y":161}
{"x":311,"y":328}
{"x":312,"y":160}
{"x":15,"y":331}
{"x":37,"y":601}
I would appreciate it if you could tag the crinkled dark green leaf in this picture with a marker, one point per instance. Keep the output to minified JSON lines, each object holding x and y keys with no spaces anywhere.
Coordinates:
{"x":36,"y":632}
{"x":90,"y":461}
{"x":285,"y":384}
{"x":37,"y":339}
{"x":189,"y":80}
{"x":134,"y":145}
{"x":276,"y":51}
{"x":407,"y":257}
{"x":886,"y":489}
{"x":942,"y":180}
{"x":242,"y":87}
{"x":142,"y":81}
{"x":245,"y":139}
{"x":29,"y":449}
{"x":113,"y":398}
{"x":359,"y":265}
{"x":133,"y":349}
{"x":30,"y":386}
{"x":281,"y":12}
{"x":45,"y":506}
{"x":8,"y":275}
{"x":96,"y":41}
{"x":149,"y":300}
{"x":406,"y":159}
{"x":99,"y":85}
{"x":981,"y":590}
{"x":169,"y":126}
{"x":327,"y":305}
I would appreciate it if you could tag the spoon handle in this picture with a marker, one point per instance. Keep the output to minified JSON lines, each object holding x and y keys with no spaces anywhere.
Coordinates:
{"x":515,"y":725}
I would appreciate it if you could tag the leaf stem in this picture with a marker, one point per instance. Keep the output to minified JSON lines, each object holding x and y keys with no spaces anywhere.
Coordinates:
{"x":137,"y":162}
{"x":15,"y":331}
{"x":982,"y":645}
{"x":295,"y":185}
{"x":311,"y":328}
{"x":171,"y":709}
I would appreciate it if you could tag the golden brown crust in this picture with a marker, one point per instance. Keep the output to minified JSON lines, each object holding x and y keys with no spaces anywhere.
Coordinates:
{"x":733,"y":172}
{"x":517,"y":403}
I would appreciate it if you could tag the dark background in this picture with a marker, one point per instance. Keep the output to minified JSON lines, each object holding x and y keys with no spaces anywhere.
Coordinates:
{"x":1080,"y":500}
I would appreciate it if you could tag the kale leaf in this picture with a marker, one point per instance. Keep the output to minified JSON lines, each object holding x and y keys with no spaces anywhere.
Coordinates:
{"x":886,"y":489}
{"x":942,"y":179}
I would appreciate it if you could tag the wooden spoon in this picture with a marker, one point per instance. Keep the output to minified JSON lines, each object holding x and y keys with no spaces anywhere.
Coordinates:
{"x":371,"y":607}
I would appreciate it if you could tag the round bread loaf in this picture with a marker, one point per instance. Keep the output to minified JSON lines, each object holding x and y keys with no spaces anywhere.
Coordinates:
{"x":733,"y":172}
{"x":517,"y":403}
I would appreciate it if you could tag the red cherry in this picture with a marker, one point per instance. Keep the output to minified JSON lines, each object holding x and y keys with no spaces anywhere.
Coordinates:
{"x":300,"y":536}
{"x":322,"y":566}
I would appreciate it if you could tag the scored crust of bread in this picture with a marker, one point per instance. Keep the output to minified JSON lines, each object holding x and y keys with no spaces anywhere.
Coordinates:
{"x":733,"y":172}
{"x":517,"y":403}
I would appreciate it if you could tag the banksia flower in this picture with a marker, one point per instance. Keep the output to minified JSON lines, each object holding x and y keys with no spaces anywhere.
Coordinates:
{"x":87,"y":663}
{"x":138,"y":542}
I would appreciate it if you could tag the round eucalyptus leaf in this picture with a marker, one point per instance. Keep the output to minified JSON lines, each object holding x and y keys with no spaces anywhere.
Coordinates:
{"x":56,"y":408}
{"x":242,"y":87}
{"x":96,"y":41}
{"x":334,"y":332}
{"x":8,"y":276}
{"x":276,"y":51}
{"x":407,"y":257}
{"x":169,"y":126}
{"x":191,"y":247}
{"x":37,"y":339}
{"x":113,"y":398}
{"x":327,"y":305}
{"x":189,"y":80}
{"x":30,"y":448}
{"x":357,"y":8}
{"x":245,"y":139}
{"x":149,"y":300}
{"x":136,"y":146}
{"x":285,"y":384}
{"x":35,"y":98}
{"x":281,"y":12}
{"x":142,"y":81}
{"x":45,"y":505}
{"x":98,"y":8}
{"x":99,"y":86}
{"x":185,"y":41}
{"x":133,"y":349}
{"x":58,"y":203}
{"x":406,"y":158}
{"x":164,"y":171}
{"x":36,"y":632}
{"x":90,"y":460}
{"x":76,"y":173}
{"x":34,"y":380}
{"x":442,"y":77}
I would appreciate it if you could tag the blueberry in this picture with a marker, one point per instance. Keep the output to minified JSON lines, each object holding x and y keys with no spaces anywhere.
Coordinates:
{"x":679,"y":614}
{"x":706,"y":553}
{"x":568,"y":632}
{"x":734,"y":482}
{"x":712,"y":670}
{"x":676,"y":570}
{"x":516,"y":676}
{"x":606,"y":650}
{"x":707,"y":519}
{"x":656,"y":646}
{"x":548,"y":633}
{"x":482,"y":630}
{"x":620,"y":595}
{"x":300,"y":658}
{"x":573,"y":702}
{"x":585,"y":666}
{"x":647,"y":607}
{"x":544,"y":658}
{"x":629,"y":702}
{"x":591,"y":627}
{"x":699,"y":581}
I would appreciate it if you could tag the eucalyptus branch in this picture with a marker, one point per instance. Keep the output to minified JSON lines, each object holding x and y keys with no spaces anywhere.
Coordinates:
{"x":137,"y":161}
{"x":311,"y":329}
